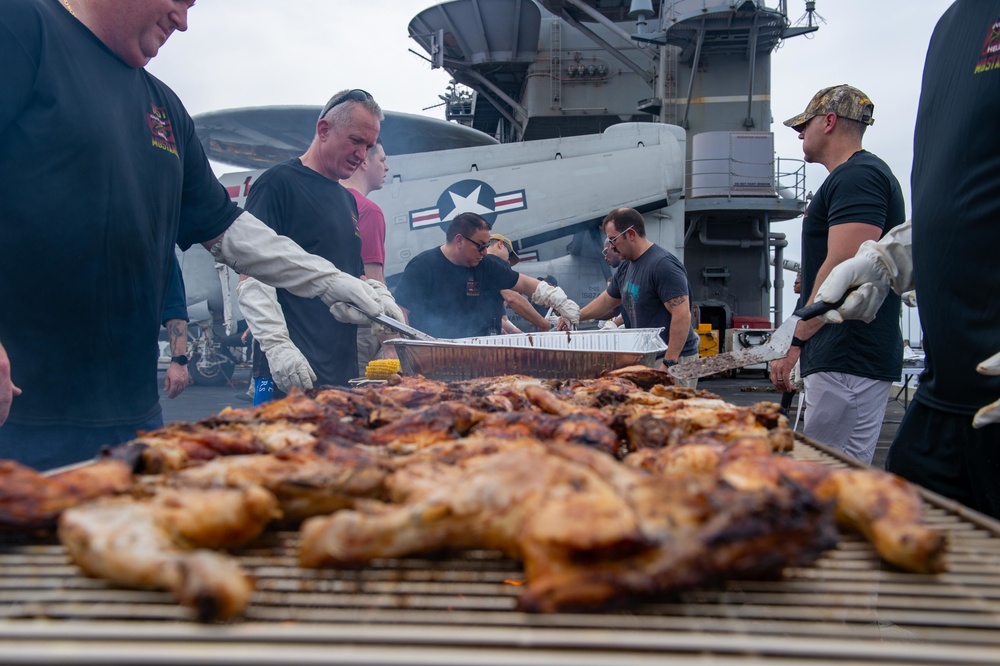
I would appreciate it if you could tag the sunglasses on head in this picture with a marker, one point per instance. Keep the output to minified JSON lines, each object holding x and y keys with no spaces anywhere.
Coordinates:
{"x":481,"y":247}
{"x":612,"y":240}
{"x":357,"y":94}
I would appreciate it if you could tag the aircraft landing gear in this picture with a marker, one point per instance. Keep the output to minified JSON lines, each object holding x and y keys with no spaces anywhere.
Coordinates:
{"x":214,"y":369}
{"x":211,"y":363}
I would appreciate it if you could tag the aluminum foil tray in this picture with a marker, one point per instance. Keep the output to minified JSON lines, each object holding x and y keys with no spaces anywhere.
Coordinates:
{"x":555,"y":355}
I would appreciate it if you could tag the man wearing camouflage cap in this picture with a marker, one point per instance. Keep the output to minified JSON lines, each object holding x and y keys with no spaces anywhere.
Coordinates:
{"x":848,"y":370}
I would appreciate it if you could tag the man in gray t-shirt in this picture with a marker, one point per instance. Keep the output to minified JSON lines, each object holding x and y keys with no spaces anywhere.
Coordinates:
{"x":650,"y":285}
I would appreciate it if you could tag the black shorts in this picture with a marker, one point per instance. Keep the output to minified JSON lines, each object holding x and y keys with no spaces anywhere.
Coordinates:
{"x":942,"y":452}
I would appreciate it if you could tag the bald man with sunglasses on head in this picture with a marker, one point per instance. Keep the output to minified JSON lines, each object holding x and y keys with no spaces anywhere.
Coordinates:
{"x":304,"y":199}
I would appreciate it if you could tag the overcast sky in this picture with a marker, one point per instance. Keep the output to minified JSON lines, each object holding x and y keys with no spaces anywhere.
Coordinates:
{"x":262,"y":52}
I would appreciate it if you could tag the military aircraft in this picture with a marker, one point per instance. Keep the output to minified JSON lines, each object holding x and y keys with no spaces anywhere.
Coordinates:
{"x":561,"y":110}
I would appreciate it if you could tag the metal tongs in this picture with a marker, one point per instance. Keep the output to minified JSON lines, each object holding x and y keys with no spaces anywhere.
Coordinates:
{"x":395,"y":325}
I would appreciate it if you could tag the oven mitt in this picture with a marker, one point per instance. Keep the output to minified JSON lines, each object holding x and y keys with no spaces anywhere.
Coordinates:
{"x":260,"y":307}
{"x":555,"y":298}
{"x":252,"y":248}
{"x":876,"y":268}
{"x":991,"y":412}
{"x":388,"y":306}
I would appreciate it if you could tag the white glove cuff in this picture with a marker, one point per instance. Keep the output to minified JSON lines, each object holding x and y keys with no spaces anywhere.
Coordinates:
{"x":893,"y":258}
{"x":252,"y":248}
{"x":260,"y":308}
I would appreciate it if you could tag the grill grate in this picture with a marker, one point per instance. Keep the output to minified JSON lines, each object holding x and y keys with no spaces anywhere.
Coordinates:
{"x":847,"y":608}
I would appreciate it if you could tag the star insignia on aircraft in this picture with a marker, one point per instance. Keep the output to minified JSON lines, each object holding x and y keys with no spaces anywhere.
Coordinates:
{"x":468,"y":196}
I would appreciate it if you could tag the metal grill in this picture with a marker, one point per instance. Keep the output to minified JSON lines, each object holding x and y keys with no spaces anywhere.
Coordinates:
{"x":846,"y":608}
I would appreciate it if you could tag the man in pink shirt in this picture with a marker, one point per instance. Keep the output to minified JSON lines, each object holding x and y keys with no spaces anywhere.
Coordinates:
{"x":370,"y":176}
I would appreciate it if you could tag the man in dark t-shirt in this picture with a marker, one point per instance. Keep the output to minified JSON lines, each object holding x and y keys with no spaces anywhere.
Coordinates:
{"x":949,"y":440}
{"x":848,"y":370}
{"x":650,"y":285}
{"x":101,"y":170}
{"x":304,"y":200}
{"x":450,"y":292}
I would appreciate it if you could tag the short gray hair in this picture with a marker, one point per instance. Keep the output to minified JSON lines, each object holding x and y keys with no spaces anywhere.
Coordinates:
{"x":338,"y":109}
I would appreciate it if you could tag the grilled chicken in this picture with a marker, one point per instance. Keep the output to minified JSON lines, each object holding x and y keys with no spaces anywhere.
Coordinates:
{"x":522,"y":466}
{"x":177,"y":445}
{"x":576,"y":428}
{"x":152,"y":543}
{"x":30,"y":500}
{"x":427,"y":425}
{"x":306,"y":481}
{"x":884,"y":508}
{"x":588,"y":529}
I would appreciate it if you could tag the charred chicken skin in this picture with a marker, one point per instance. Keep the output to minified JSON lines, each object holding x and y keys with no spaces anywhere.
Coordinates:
{"x":31,"y":500}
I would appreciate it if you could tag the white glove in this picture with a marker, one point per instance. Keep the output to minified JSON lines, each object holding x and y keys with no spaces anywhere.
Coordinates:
{"x":609,"y":325}
{"x":795,"y":377}
{"x":260,"y":307}
{"x":876,"y":268}
{"x":389,"y":306}
{"x":555,"y":298}
{"x":991,"y":412}
{"x":252,"y":248}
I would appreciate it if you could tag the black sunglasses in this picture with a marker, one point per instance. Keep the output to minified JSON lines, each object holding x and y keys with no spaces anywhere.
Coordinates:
{"x":481,"y":247}
{"x":357,"y":94}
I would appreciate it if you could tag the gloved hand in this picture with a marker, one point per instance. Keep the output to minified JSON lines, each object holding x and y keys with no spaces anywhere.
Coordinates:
{"x":991,"y":412}
{"x":389,"y":307}
{"x":289,"y":367}
{"x":876,"y":268}
{"x":252,"y":248}
{"x":259,"y":305}
{"x":555,"y":298}
{"x":795,"y":377}
{"x":608,"y":325}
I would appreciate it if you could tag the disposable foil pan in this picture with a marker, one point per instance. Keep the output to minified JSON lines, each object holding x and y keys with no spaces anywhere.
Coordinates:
{"x":554,"y":355}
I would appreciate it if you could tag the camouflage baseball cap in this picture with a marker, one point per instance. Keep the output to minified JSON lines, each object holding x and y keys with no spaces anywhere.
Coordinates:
{"x":845,"y":101}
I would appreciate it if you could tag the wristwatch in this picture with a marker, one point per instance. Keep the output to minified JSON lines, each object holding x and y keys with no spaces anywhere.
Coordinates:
{"x":179,"y":360}
{"x":667,"y":363}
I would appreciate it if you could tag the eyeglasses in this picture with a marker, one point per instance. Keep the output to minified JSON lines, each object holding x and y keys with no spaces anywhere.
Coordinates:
{"x":612,"y":240}
{"x":357,"y":94}
{"x":481,"y":247}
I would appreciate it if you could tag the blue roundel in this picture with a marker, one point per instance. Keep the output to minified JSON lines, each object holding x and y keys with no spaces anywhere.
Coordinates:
{"x":467,"y":196}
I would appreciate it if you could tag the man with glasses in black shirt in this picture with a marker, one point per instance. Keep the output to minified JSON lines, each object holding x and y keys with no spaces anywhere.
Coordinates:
{"x":450,"y":292}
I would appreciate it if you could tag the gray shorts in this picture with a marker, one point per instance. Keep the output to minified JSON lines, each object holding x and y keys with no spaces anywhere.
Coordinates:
{"x":845,"y":412}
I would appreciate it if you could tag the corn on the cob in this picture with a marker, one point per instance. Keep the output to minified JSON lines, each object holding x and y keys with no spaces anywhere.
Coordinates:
{"x":382,"y":368}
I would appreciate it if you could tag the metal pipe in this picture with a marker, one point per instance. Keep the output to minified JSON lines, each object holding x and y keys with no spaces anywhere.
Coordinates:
{"x":600,"y":18}
{"x":519,"y":110}
{"x":778,"y":242}
{"x":694,"y":72}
